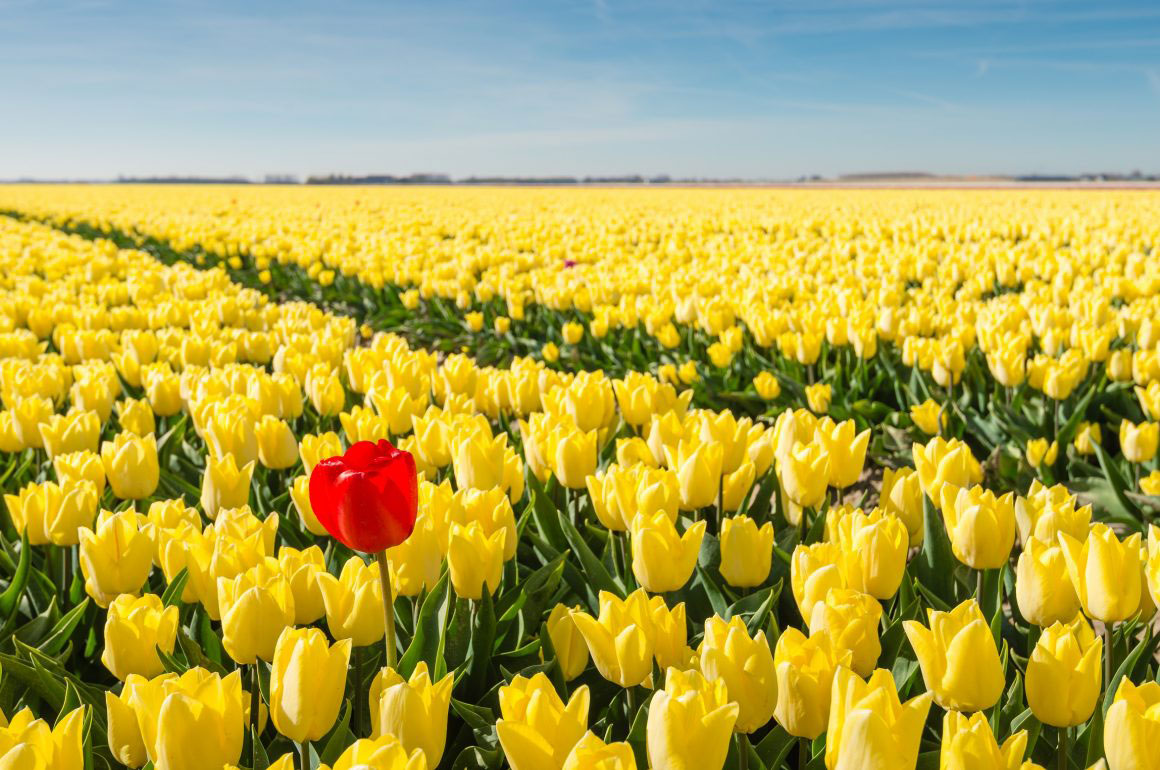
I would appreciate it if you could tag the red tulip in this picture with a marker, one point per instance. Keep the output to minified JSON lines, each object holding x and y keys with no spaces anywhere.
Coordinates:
{"x":366,"y":498}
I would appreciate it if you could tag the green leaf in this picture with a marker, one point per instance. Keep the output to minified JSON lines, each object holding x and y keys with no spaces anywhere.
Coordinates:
{"x":428,"y":630}
{"x":340,"y":738}
{"x":593,"y":568}
{"x":479,"y":652}
{"x":1126,"y":667}
{"x":10,"y":599}
{"x":934,"y":564}
{"x":172,"y":595}
{"x":59,"y":636}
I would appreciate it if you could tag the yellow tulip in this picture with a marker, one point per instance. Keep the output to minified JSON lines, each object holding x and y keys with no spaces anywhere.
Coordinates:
{"x":767,"y":386}
{"x":745,"y":664}
{"x":116,"y":558}
{"x":416,"y":563}
{"x":690,"y":723}
{"x":847,"y":451}
{"x":874,"y":548}
{"x":316,"y":448}
{"x":124,"y":734}
{"x":414,"y":710}
{"x":959,"y":660}
{"x":225,"y":484}
{"x":805,"y":669}
{"x":567,"y":641}
{"x":131,"y":465}
{"x":698,"y":466}
{"x":354,"y":602}
{"x":1108,"y":574}
{"x":746,"y":551}
{"x":818,"y":396}
{"x":1086,"y":435}
{"x":946,"y":464}
{"x":29,"y":743}
{"x":1039,"y":452}
{"x":301,"y":569}
{"x":1047,"y":511}
{"x":134,"y":630}
{"x":969,"y":744}
{"x":1064,"y":674}
{"x":537,"y":730}
{"x":52,"y":513}
{"x":135,"y":416}
{"x":814,"y":570}
{"x":869,"y":726}
{"x":591,"y":753}
{"x":662,"y":559}
{"x":804,"y":472}
{"x":1043,"y":591}
{"x":475,"y":559}
{"x":300,"y":495}
{"x":1139,"y":442}
{"x":981,"y":527}
{"x":191,"y":721}
{"x":307,"y":681}
{"x":76,"y":432}
{"x":927,"y":416}
{"x":901,"y":496}
{"x":255,"y":607}
{"x":385,"y":753}
{"x":667,"y":631}
{"x":80,"y":466}
{"x":851,"y":619}
{"x":619,"y":639}
{"x":277,"y":447}
{"x":1131,"y":726}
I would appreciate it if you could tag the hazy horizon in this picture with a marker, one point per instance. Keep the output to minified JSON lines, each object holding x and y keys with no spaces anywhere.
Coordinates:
{"x":98,"y":89}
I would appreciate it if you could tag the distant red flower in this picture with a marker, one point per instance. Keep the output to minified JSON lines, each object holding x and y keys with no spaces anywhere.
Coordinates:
{"x":368,"y":497}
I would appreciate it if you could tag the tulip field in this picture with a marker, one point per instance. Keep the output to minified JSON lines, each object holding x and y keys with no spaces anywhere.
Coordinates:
{"x":578,"y":479}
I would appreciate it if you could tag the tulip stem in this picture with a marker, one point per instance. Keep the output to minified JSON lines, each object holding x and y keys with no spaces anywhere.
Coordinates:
{"x":1063,"y":741}
{"x":742,"y":751}
{"x":255,"y":711}
{"x":388,"y":606}
{"x":1107,"y":656}
{"x":304,"y":754}
{"x":803,"y":753}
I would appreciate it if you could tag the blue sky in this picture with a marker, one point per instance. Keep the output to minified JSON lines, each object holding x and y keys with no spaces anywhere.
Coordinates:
{"x":92,"y":89}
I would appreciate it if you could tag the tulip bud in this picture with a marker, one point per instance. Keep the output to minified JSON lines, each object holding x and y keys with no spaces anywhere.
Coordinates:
{"x":1086,"y":435}
{"x":301,"y":569}
{"x":416,"y":563}
{"x":591,"y":753}
{"x":1047,"y":511}
{"x":969,"y":744}
{"x":959,"y":660}
{"x":814,"y":570}
{"x":1107,"y":573}
{"x":76,"y":432}
{"x":135,"y":416}
{"x":386,"y":753}
{"x":255,"y":607}
{"x":1139,"y":442}
{"x":851,"y":618}
{"x":51,"y":513}
{"x":307,"y":681}
{"x":315,"y":448}
{"x":1131,"y":724}
{"x":867,"y":719}
{"x":354,"y":603}
{"x":804,"y":472}
{"x":80,"y":466}
{"x":901,"y":496}
{"x":224,"y":484}
{"x":568,"y":642}
{"x":300,"y":494}
{"x":746,"y":551}
{"x":414,"y":711}
{"x":874,"y":550}
{"x":981,"y":527}
{"x":1043,"y":592}
{"x":846,"y":450}
{"x":767,"y":386}
{"x":134,"y":629}
{"x":198,"y":714}
{"x":818,"y":396}
{"x":927,"y":416}
{"x":690,"y":723}
{"x":116,"y":558}
{"x":131,"y":465}
{"x":474,"y":559}
{"x":745,"y":664}
{"x":662,"y":560}
{"x":619,"y":640}
{"x":698,"y":467}
{"x":277,"y":447}
{"x":1064,"y":674}
{"x":537,"y":730}
{"x":124,"y":735}
{"x":805,"y":669}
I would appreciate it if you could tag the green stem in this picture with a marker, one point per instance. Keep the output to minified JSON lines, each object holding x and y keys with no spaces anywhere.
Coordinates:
{"x":1107,"y":655}
{"x":1063,"y":741}
{"x":803,"y":753}
{"x":255,"y":712}
{"x":388,"y":606}
{"x":304,"y":754}
{"x":359,"y":695}
{"x":742,"y":751}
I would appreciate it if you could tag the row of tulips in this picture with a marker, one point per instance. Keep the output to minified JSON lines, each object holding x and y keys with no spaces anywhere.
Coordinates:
{"x":613,"y":490}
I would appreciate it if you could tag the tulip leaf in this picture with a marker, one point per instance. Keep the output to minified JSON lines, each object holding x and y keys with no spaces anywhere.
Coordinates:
{"x":477,"y":758}
{"x":10,"y":599}
{"x":934,"y":562}
{"x":59,"y":636}
{"x":1118,"y":484}
{"x":1125,"y":668}
{"x":171,"y":662}
{"x":774,"y":747}
{"x":544,"y":514}
{"x":428,"y":630}
{"x":548,"y":651}
{"x":1093,"y":738}
{"x":593,"y":568}
{"x":637,"y":734}
{"x":479,"y":652}
{"x":172,"y":595}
